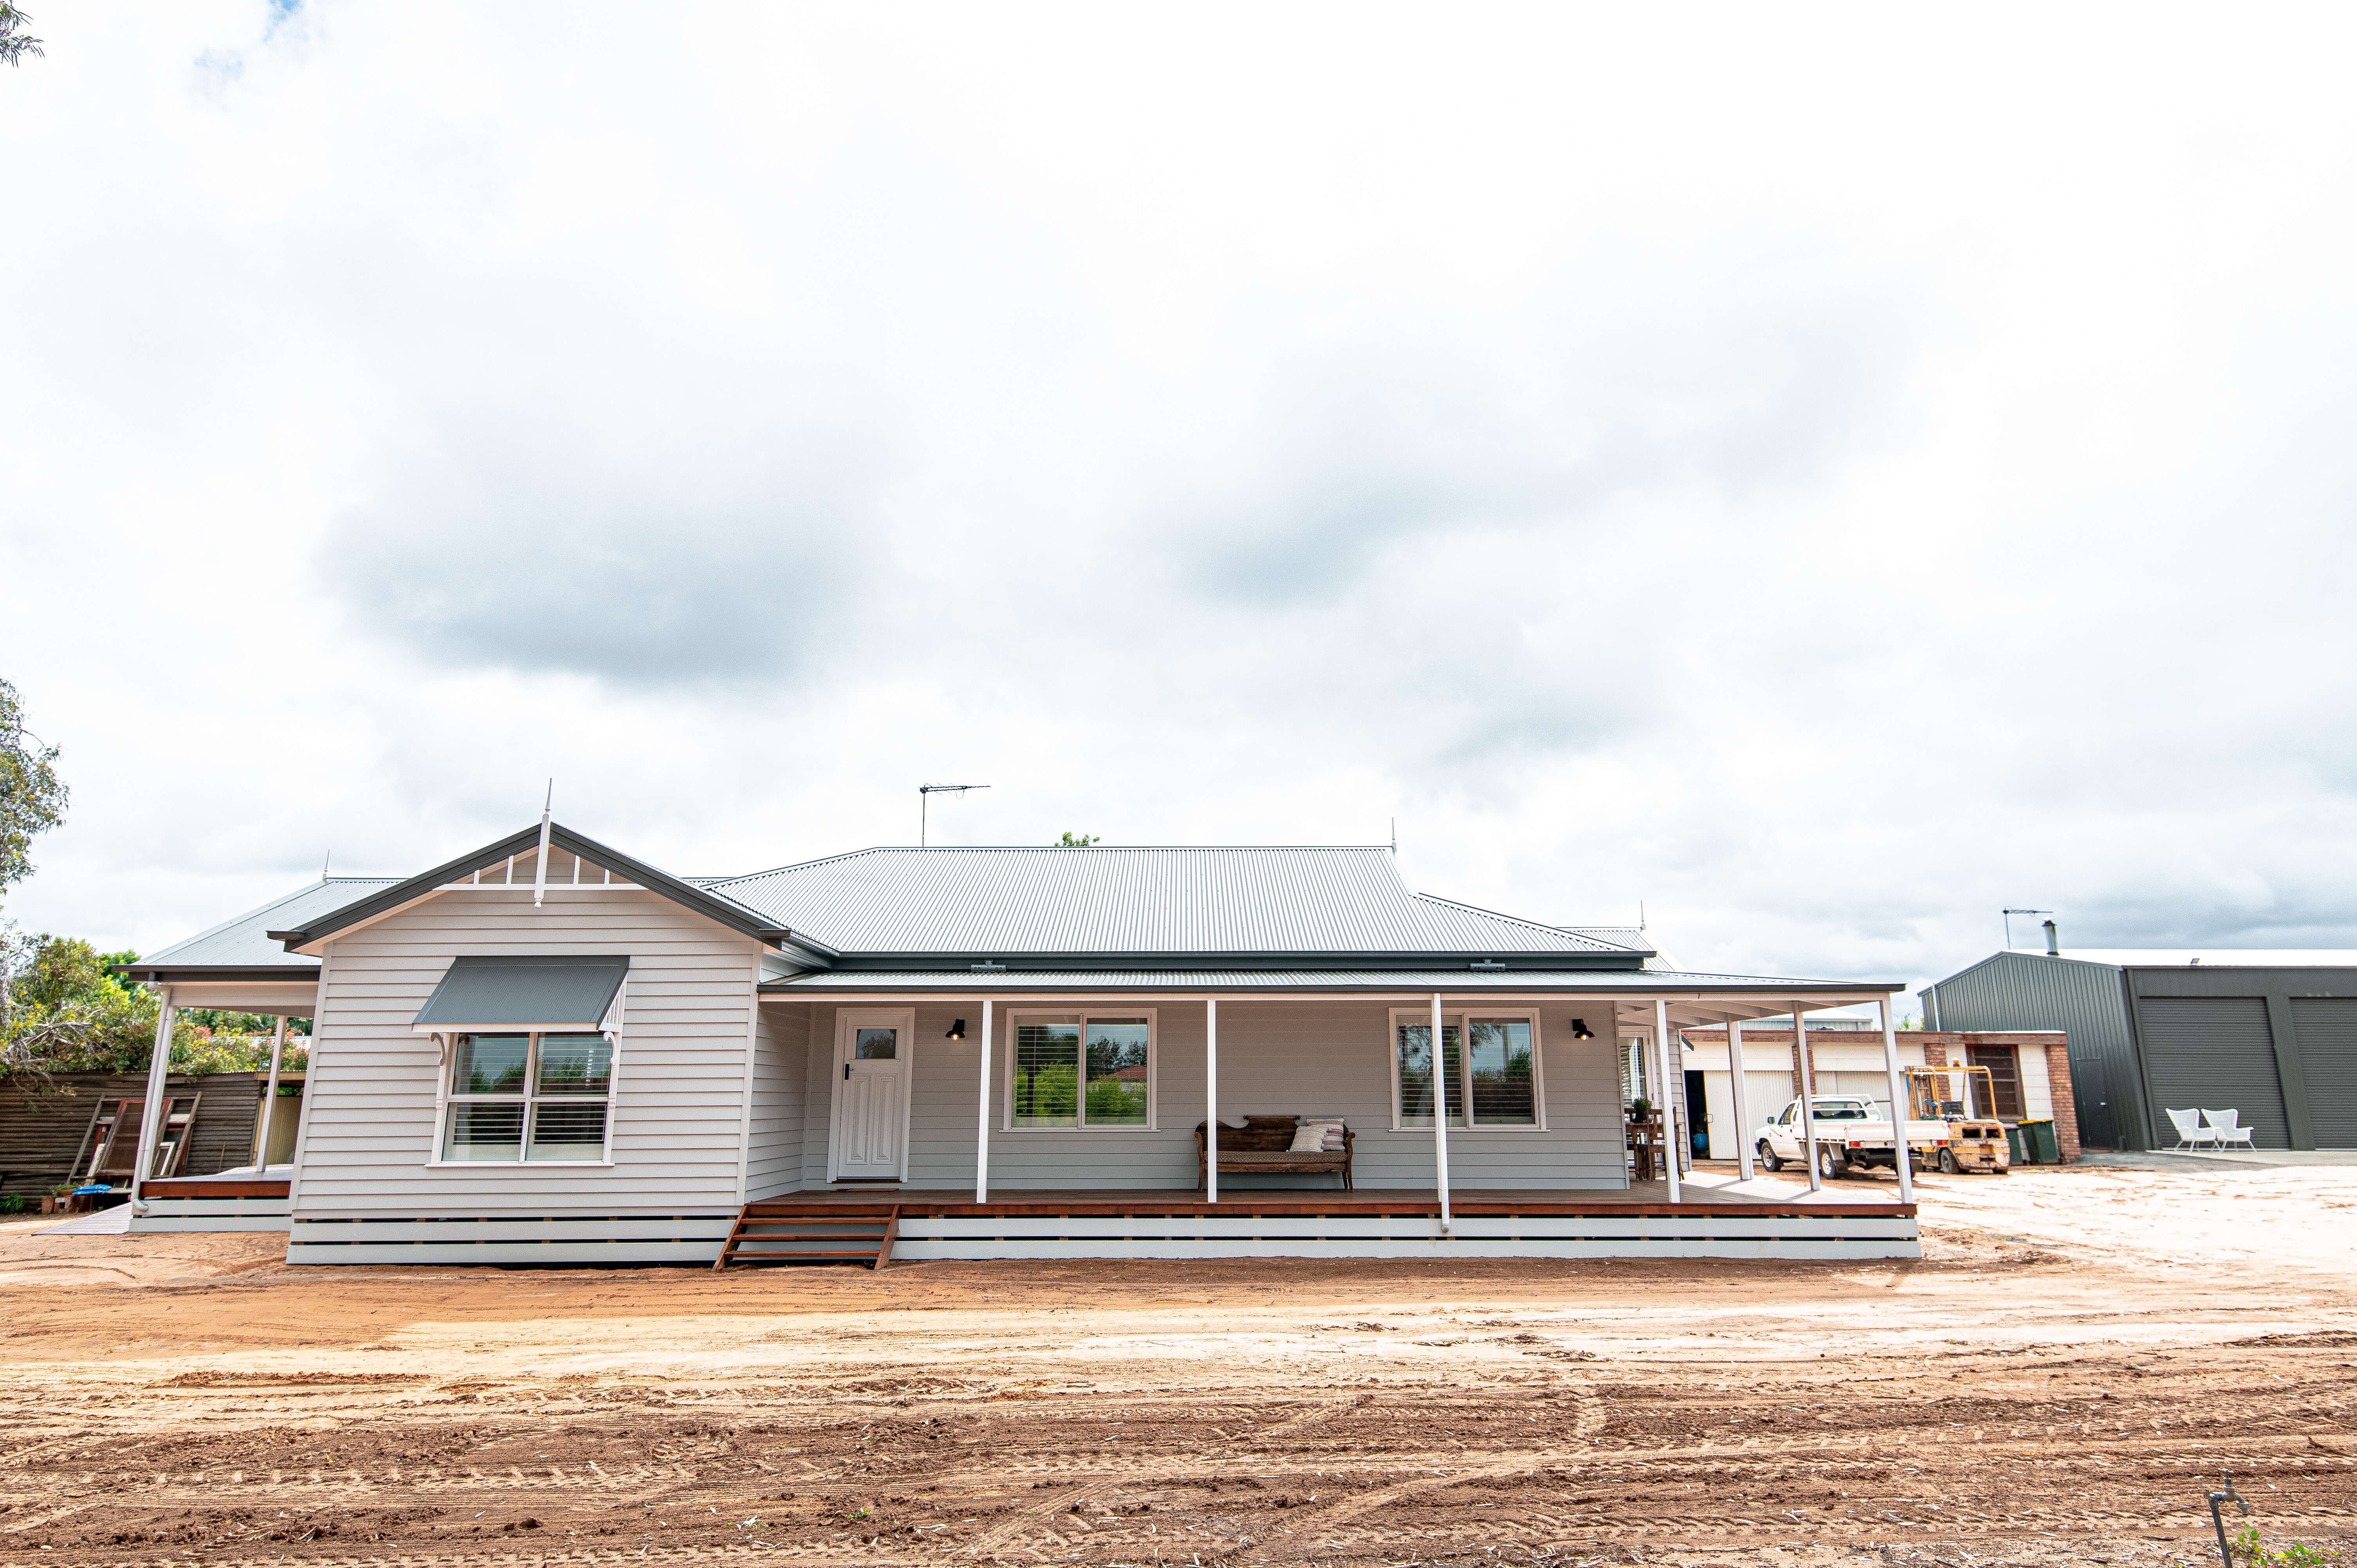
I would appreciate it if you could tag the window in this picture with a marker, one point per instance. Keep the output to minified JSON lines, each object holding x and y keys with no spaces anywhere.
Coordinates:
{"x":515,"y":1098}
{"x":1081,"y":1070}
{"x":1491,"y":1065}
{"x":2004,"y":1078}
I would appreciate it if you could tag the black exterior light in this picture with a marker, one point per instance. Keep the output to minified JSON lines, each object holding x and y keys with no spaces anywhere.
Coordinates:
{"x":1580,"y":1031}
{"x":956,"y":1031}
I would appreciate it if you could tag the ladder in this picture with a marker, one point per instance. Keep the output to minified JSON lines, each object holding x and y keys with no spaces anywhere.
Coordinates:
{"x":789,"y":1232}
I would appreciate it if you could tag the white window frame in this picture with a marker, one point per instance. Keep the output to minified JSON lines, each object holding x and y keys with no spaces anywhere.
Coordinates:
{"x":1153,"y":1069}
{"x":1459,"y":1096}
{"x":445,"y":1056}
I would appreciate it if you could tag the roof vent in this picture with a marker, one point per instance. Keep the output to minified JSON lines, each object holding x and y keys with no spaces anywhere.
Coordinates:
{"x":1488,"y":963}
{"x":987,"y":968}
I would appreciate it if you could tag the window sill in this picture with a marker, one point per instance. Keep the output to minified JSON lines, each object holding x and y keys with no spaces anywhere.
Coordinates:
{"x":1065,"y":1132}
{"x":517,"y":1164}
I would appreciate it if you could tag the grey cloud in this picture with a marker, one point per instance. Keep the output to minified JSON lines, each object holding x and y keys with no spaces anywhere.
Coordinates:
{"x":541,"y":563}
{"x":1383,"y":455}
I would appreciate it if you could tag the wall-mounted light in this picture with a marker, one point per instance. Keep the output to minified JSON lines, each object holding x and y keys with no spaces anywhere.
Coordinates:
{"x":1580,"y":1031}
{"x":957,"y":1031}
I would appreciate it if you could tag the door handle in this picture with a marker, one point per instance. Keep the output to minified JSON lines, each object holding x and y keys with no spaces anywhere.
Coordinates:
{"x":846,"y":1072}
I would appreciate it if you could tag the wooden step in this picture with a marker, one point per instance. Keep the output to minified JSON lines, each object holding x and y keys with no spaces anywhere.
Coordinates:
{"x":811,"y":1233}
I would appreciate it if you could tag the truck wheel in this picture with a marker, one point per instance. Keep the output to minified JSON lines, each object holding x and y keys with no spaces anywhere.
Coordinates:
{"x":1948,"y":1165}
{"x":1768,"y":1157}
{"x":1830,"y":1162}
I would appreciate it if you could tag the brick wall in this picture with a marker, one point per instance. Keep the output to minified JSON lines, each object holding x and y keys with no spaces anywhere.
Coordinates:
{"x":2066,"y":1109}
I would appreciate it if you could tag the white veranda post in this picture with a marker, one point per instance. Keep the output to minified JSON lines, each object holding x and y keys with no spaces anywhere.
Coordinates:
{"x":151,"y":1116}
{"x":1742,"y":1101}
{"x":270,"y":1097}
{"x":1669,"y":1130}
{"x":1210,"y":1100}
{"x":1440,"y":1115}
{"x":1808,"y":1093}
{"x":1898,"y":1103}
{"x":982,"y":1117}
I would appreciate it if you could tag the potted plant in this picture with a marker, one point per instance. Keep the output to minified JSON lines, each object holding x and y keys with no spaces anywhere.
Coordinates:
{"x":1640,"y":1110}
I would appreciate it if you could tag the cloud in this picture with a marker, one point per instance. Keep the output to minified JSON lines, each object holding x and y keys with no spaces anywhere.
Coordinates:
{"x":1729,"y":466}
{"x":693,"y":567}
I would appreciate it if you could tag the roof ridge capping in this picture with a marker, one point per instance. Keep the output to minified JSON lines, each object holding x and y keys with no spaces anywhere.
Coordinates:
{"x":714,"y":904}
{"x":1043,"y":849}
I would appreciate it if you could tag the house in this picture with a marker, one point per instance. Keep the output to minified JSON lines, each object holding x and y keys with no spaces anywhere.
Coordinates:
{"x":2270,"y":1035}
{"x":2029,"y":1076}
{"x":548,"y":1051}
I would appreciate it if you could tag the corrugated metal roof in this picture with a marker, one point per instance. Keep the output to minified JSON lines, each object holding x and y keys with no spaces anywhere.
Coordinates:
{"x":1603,"y":981}
{"x":241,"y":943}
{"x":1012,"y":901}
{"x":2209,"y":958}
{"x":520,"y":990}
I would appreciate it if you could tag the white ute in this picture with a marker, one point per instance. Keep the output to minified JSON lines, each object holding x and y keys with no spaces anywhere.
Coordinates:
{"x":1850,"y":1134}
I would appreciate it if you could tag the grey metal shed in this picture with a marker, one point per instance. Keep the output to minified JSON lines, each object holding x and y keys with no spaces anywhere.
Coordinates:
{"x":2270,"y":1035}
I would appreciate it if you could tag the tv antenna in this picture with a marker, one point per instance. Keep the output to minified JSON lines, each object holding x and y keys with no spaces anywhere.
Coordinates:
{"x":2009,"y":914}
{"x":925,"y":793}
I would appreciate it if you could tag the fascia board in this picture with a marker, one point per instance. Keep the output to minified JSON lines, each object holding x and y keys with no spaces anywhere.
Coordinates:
{"x":1609,"y":963}
{"x":367,"y":911}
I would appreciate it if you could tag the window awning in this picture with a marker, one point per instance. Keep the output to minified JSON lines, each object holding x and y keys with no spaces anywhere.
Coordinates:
{"x":524,"y":993}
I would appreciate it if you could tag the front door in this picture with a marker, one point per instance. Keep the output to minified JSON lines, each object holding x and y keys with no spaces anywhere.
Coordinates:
{"x":869,"y":1139}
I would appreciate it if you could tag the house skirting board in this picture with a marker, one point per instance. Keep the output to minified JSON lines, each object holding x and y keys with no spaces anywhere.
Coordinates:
{"x":566,"y":1242}
{"x":209,"y":1214}
{"x":1352,"y":1236}
{"x":1717,"y":1230}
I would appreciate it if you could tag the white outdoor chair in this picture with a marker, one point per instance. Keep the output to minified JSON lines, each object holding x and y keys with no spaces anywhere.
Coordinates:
{"x":2222,"y":1129}
{"x":2191,"y":1132}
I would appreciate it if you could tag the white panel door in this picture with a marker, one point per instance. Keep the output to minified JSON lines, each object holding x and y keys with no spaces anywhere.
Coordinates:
{"x":869,"y":1137}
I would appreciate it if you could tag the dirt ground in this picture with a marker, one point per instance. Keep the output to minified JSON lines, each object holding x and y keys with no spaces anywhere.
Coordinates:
{"x":2079,"y":1356}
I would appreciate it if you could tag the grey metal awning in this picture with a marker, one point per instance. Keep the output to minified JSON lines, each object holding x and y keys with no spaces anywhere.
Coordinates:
{"x":524,"y":993}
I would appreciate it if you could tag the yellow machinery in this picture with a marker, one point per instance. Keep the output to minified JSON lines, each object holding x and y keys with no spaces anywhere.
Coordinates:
{"x":1965,"y":1099}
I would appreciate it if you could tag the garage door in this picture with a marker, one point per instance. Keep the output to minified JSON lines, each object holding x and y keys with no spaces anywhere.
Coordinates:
{"x":2327,"y":1059}
{"x":2213,"y":1053}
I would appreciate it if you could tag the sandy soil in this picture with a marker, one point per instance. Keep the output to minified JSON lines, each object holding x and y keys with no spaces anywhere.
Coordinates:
{"x":2079,"y":1357}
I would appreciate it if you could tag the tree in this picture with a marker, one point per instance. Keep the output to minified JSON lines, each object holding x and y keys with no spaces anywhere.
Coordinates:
{"x":1075,"y":840}
{"x":66,"y":1010}
{"x":32,"y":798}
{"x":14,"y":44}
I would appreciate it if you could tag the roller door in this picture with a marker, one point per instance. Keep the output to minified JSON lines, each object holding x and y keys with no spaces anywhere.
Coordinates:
{"x":2213,"y":1053}
{"x":2327,"y":1059}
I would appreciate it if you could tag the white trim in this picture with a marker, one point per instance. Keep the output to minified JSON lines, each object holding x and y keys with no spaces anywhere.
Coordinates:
{"x":1440,"y":1102}
{"x":1153,"y":1017}
{"x":846,"y":1021}
{"x":159,"y":1070}
{"x":1735,"y":1075}
{"x":514,"y":887}
{"x":752,"y":1056}
{"x":982,"y":1114}
{"x":1771,"y":1007}
{"x":1210,"y":1100}
{"x":1460,"y":1011}
{"x":1673,"y":1155}
{"x":270,"y":1097}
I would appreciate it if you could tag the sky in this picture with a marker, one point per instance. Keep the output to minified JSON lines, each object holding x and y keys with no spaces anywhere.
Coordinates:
{"x":1824,"y":474}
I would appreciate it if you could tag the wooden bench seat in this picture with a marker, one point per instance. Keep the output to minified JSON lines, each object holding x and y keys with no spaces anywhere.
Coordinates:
{"x":1263,"y":1146}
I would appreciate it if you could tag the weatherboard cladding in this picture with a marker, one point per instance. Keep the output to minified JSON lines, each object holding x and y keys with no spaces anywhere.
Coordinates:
{"x":1098,"y":900}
